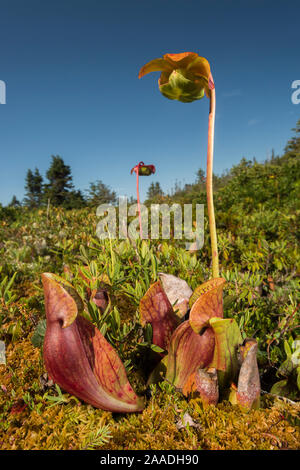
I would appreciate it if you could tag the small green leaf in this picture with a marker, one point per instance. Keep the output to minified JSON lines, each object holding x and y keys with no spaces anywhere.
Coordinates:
{"x":280,"y":388}
{"x":228,"y":301}
{"x":157,"y":348}
{"x":38,"y":336}
{"x":287,"y":349}
{"x":148,"y":333}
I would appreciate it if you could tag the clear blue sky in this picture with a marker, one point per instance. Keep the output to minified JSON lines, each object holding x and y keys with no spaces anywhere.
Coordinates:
{"x":71,"y":66}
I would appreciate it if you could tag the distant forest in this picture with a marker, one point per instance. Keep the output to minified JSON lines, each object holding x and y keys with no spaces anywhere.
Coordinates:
{"x":274,"y":183}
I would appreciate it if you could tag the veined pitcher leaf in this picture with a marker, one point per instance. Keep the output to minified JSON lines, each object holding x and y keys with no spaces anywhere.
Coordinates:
{"x":61,"y":300}
{"x":78,"y":357}
{"x":188,"y":351}
{"x":67,"y":287}
{"x":205,"y":287}
{"x":155,"y":308}
{"x":282,"y":388}
{"x":107,"y":367}
{"x":208,"y":303}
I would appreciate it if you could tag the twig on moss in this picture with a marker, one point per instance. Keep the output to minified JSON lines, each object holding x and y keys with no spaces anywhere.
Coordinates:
{"x":279,"y":396}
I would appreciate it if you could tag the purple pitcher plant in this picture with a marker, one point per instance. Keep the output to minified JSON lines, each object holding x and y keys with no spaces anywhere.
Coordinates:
{"x":204,"y":356}
{"x":77,"y":356}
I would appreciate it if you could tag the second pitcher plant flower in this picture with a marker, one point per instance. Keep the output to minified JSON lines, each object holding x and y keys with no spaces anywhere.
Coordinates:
{"x":141,"y":170}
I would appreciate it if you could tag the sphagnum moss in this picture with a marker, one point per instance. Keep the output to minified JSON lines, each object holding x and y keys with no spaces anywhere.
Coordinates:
{"x":72,"y":425}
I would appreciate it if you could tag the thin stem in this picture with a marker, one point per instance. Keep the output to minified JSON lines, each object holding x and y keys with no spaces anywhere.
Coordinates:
{"x":209,"y":184}
{"x":138,"y":202}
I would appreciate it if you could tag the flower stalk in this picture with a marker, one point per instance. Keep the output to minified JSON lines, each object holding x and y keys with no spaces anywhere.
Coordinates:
{"x":209,"y":180}
{"x":138,"y":203}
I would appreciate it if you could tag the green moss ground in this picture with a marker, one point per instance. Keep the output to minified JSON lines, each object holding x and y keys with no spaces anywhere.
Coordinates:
{"x":36,"y":424}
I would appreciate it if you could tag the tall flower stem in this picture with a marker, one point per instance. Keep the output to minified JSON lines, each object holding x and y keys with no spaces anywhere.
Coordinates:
{"x":209,"y":182}
{"x":138,"y":202}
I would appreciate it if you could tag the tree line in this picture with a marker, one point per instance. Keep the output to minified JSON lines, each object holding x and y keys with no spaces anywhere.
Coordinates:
{"x":275,"y":180}
{"x":274,"y":183}
{"x":59,"y":190}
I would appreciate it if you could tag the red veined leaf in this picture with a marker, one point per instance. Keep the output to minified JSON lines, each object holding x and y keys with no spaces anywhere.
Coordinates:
{"x":208,"y":303}
{"x":155,"y":308}
{"x":206,"y":287}
{"x":188,"y":351}
{"x":78,"y":357}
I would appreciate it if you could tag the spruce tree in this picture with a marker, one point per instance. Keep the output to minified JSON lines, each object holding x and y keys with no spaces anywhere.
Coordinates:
{"x":100,"y":193}
{"x":14,"y":202}
{"x":292,"y":148}
{"x":200,"y":176}
{"x":154,"y":190}
{"x":60,"y":182}
{"x":74,"y":200}
{"x":33,"y":189}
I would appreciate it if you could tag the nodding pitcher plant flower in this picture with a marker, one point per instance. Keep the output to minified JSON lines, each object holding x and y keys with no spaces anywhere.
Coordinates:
{"x":77,"y":356}
{"x":141,"y":170}
{"x":187,"y":77}
{"x":204,"y":356}
{"x":184,"y":77}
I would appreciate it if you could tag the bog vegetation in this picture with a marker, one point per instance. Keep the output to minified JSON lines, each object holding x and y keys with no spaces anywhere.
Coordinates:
{"x":54,"y":230}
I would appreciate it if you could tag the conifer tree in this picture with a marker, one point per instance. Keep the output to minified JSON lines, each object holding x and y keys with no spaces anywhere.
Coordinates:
{"x":33,"y":188}
{"x":154,"y":190}
{"x":14,"y":202}
{"x":60,"y":182}
{"x":200,"y":176}
{"x":292,"y":148}
{"x":100,"y":193}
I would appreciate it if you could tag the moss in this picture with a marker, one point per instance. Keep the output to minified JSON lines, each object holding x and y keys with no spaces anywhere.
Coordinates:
{"x":29,"y":421}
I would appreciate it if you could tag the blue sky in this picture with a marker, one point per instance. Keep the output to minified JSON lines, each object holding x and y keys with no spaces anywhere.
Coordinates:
{"x":71,"y":67}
